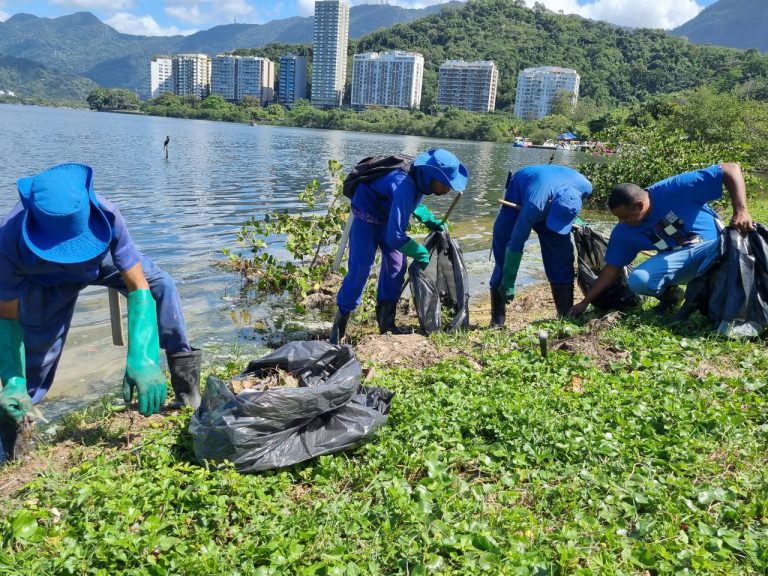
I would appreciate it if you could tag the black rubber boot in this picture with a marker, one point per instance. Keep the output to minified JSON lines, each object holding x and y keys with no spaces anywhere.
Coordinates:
{"x":498,"y":309}
{"x":385,"y":318}
{"x":185,"y":377}
{"x":669,"y":299}
{"x":339,"y":329}
{"x":563,"y":297}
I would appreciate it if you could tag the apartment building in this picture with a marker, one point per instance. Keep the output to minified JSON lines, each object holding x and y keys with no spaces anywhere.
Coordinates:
{"x":192,"y":75}
{"x":329,"y":60}
{"x":256,"y":77}
{"x":468,"y":85}
{"x":537,"y":87}
{"x":224,"y":77}
{"x":160,"y":76}
{"x":391,"y":79}
{"x":292,"y":84}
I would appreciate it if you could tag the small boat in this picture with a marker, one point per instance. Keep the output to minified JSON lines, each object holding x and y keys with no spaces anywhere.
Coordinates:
{"x":521,"y":142}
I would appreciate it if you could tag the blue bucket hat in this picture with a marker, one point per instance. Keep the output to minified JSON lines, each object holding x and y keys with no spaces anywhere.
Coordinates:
{"x":563,"y":210}
{"x":62,"y":220}
{"x":444,"y":167}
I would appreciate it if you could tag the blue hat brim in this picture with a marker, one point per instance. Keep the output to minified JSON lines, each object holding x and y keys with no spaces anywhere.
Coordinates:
{"x":89,"y":245}
{"x":459,"y":182}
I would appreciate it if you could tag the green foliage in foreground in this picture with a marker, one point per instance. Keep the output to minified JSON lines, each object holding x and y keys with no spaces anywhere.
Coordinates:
{"x":652,"y":464}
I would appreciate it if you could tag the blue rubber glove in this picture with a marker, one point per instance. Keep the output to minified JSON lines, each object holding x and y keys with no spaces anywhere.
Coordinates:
{"x":509,"y":275}
{"x":416,"y":251}
{"x":14,"y":399}
{"x":142,"y":366}
{"x":425,"y":216}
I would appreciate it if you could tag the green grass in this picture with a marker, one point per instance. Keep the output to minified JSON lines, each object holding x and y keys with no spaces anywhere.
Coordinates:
{"x":494,"y":465}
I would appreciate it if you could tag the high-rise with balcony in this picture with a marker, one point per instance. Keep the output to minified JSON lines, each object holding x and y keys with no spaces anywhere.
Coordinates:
{"x":468,"y":85}
{"x":256,"y":77}
{"x":224,"y":76}
{"x":192,"y":74}
{"x":329,"y":59}
{"x":292,"y":84}
{"x":391,"y":79}
{"x":537,"y":87}
{"x":160,"y":76}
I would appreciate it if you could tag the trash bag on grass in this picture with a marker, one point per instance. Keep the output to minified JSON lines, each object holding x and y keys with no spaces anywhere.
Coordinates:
{"x":444,"y":284}
{"x":260,"y":430}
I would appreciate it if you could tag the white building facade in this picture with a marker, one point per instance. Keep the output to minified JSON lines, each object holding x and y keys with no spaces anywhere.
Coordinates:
{"x":192,"y":75}
{"x":390,"y":79}
{"x":160,"y":76}
{"x":537,"y":87}
{"x":468,"y":85}
{"x":329,"y":59}
{"x":255,"y":77}
{"x":292,"y":84}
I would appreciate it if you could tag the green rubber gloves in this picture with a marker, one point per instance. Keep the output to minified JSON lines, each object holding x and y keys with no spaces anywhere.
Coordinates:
{"x":14,"y":399}
{"x":416,"y":251}
{"x":142,"y":367}
{"x":425,"y":216}
{"x":509,"y":274}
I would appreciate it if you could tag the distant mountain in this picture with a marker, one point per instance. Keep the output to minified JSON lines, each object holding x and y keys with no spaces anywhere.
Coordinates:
{"x":30,"y":79}
{"x":734,"y":23}
{"x":82,"y":44}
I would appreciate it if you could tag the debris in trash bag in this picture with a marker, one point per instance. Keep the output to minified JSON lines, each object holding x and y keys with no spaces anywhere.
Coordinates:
{"x":272,"y":427}
{"x":270,"y":379}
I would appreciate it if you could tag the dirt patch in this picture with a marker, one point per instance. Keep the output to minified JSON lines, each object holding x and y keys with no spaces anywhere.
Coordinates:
{"x":705,"y":368}
{"x":590,"y":343}
{"x":403,"y":350}
{"x":118,"y":431}
{"x":533,"y":303}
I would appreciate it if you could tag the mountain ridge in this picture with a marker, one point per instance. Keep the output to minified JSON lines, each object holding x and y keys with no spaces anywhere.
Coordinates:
{"x":734,"y":23}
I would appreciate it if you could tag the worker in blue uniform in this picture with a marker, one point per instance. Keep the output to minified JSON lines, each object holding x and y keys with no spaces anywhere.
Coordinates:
{"x":549,"y":198}
{"x":381,"y":210}
{"x":60,"y":238}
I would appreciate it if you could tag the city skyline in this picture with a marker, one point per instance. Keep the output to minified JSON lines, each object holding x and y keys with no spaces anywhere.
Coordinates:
{"x":169,"y":17}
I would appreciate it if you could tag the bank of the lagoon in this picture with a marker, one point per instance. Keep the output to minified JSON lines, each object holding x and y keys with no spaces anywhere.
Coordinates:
{"x":183,"y":211}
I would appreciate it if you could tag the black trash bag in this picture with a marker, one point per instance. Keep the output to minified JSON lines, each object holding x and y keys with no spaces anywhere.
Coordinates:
{"x":590,"y":258}
{"x":262,"y":430}
{"x":444,"y":284}
{"x":734,"y":292}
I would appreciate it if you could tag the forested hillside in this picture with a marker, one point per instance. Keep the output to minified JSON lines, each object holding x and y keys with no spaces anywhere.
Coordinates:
{"x":737,"y":23}
{"x":616,"y":65}
{"x":30,"y":80}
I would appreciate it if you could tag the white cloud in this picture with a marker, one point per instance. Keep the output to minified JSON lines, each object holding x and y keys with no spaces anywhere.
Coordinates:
{"x":142,"y":26}
{"x":306,"y":7}
{"x":4,"y":16}
{"x":209,"y":12}
{"x":109,"y":5}
{"x":636,"y":13}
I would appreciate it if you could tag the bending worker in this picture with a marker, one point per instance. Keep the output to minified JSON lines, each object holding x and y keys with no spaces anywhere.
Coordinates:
{"x":382,"y":209}
{"x":549,"y":198}
{"x":673,"y":218}
{"x":59,"y":239}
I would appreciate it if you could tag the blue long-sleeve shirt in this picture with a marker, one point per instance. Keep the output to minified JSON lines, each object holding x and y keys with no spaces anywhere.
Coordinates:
{"x":388,"y":201}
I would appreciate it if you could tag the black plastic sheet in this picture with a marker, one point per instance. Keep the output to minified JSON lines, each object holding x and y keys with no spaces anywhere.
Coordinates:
{"x":590,"y":257}
{"x":442,"y":286}
{"x":262,"y":430}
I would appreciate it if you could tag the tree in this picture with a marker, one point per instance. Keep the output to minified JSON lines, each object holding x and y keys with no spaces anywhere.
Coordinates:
{"x":97,"y":98}
{"x":214,"y":102}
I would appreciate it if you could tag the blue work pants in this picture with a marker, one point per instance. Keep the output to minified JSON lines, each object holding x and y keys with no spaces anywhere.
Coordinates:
{"x":45,"y":314}
{"x":556,"y":250}
{"x":665,"y":269}
{"x":364,"y":239}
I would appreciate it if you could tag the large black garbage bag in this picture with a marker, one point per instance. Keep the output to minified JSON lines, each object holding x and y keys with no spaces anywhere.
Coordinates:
{"x":734,"y":292}
{"x":261,"y":430}
{"x":590,"y":257}
{"x":443,"y":285}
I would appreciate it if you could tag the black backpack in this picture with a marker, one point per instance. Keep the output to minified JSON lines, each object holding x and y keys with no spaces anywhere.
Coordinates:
{"x":590,"y":252}
{"x":373,"y":167}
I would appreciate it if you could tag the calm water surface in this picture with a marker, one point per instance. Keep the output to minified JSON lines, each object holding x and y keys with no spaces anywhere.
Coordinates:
{"x":183,"y":211}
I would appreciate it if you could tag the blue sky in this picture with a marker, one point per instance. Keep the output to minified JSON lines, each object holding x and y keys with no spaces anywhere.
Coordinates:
{"x":165,"y":17}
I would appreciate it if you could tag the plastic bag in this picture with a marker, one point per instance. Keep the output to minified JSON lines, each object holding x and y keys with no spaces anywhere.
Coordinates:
{"x":261,"y":430}
{"x":443,"y":284}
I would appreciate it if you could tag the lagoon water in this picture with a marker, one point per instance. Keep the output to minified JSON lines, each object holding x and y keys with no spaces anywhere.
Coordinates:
{"x":184,"y":210}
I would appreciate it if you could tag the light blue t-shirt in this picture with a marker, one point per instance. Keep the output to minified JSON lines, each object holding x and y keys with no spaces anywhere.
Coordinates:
{"x":19,"y":266}
{"x":679,"y":216}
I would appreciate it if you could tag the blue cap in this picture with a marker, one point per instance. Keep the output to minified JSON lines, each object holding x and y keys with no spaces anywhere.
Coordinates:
{"x":563,"y":210}
{"x":62,"y":220}
{"x":444,"y":167}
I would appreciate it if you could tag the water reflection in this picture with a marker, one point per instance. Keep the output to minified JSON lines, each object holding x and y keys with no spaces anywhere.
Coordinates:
{"x":183,"y":211}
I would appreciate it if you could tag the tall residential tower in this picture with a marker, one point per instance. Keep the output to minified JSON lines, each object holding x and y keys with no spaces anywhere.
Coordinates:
{"x":536,"y":89}
{"x":468,"y":85}
{"x":391,"y":79}
{"x":292,"y":84}
{"x":329,"y":60}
